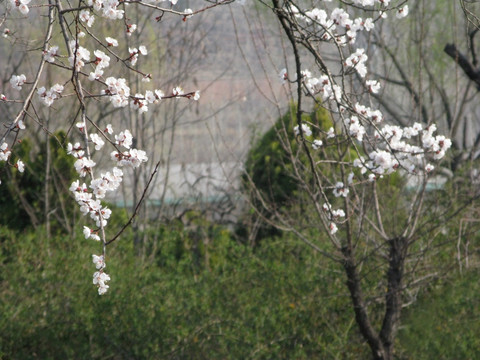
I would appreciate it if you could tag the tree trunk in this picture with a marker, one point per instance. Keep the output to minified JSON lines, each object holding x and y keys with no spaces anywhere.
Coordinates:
{"x":381,"y":344}
{"x":393,"y":300}
{"x":46,"y":189}
{"x":359,"y":307}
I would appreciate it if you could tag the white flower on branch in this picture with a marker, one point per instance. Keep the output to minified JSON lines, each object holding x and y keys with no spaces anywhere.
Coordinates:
{"x":98,"y":261}
{"x":124,"y":139}
{"x":75,"y":150}
{"x":131,"y":29}
{"x":48,"y":97}
{"x":368,"y":24}
{"x":159,"y":94}
{"x":17,"y":81}
{"x":402,"y":12}
{"x":102,"y":60}
{"x":87,"y":18}
{"x":111,"y":41}
{"x":283,"y":75}
{"x":118,"y":90}
{"x":87,"y":232}
{"x":132,"y":158}
{"x":383,"y":162}
{"x":364,"y":2}
{"x":333,"y":228}
{"x":330,"y":133}
{"x":50,"y":53}
{"x":83,"y":166}
{"x":107,"y":182}
{"x":356,"y":130}
{"x":305,"y":129}
{"x":341,"y":18}
{"x":95,"y":75}
{"x":373,"y":86}
{"x":97,"y":140}
{"x":196,"y":96}
{"x":340,"y":190}
{"x":139,"y":103}
{"x":317,"y":144}
{"x":143,"y":50}
{"x":4,"y":152}
{"x":21,"y":5}
{"x":99,"y":279}
{"x":150,"y":96}
{"x":357,"y":60}
{"x":79,"y":55}
{"x":177,"y":91}
{"x":20,"y":166}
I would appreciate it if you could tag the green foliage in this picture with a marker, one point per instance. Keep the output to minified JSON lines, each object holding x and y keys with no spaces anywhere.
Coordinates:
{"x":249,"y":305}
{"x":221,"y":300}
{"x":269,"y":162}
{"x":28,"y":189}
{"x":445,"y":323}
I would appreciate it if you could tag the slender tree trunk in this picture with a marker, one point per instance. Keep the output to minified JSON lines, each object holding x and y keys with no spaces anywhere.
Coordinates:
{"x":393,"y":300}
{"x":359,"y":307}
{"x":47,"y":181}
{"x":48,"y":162}
{"x":381,"y":344}
{"x":25,"y":204}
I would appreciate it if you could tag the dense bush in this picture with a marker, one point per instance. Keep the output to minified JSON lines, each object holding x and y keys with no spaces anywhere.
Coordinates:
{"x":270,"y":170}
{"x":268,"y":163}
{"x":277,"y":302}
{"x":445,"y":322}
{"x":24,"y":194}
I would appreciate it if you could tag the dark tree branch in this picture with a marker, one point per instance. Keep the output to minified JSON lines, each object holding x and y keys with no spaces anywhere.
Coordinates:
{"x":406,"y":81}
{"x":471,"y":35}
{"x":468,"y":68}
{"x":135,"y":212}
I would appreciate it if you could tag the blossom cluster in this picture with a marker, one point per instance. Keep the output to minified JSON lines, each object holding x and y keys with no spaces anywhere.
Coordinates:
{"x":89,"y":197}
{"x":88,"y":56}
{"x":17,"y":81}
{"x":20,"y":5}
{"x":339,"y":26}
{"x":333,"y":215}
{"x":108,"y":8}
{"x":321,"y":86}
{"x":385,"y":148}
{"x":100,"y":278}
{"x":48,"y":97}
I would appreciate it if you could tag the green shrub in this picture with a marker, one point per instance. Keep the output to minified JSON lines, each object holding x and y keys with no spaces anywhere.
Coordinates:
{"x":278,"y":301}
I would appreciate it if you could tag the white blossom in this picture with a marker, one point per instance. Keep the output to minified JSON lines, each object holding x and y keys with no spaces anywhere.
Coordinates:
{"x":317,"y":144}
{"x":305,"y":129}
{"x":111,"y":41}
{"x":98,"y":261}
{"x":333,"y":228}
{"x":100,"y":278}
{"x":340,"y":190}
{"x":20,"y":166}
{"x":402,"y":12}
{"x":17,"y":81}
